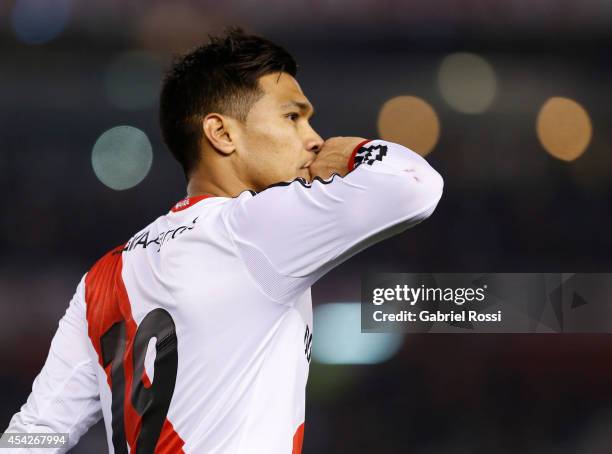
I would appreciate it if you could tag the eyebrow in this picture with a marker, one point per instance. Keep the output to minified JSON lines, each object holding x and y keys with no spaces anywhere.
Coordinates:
{"x":303,"y":106}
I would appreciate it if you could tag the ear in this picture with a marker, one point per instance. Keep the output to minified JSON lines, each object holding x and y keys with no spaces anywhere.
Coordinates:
{"x":218,"y":131}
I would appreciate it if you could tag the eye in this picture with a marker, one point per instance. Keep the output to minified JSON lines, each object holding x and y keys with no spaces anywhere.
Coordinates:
{"x":293,"y":116}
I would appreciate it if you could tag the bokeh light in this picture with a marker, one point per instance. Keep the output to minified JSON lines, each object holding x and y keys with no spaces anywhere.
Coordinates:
{"x":39,"y":21}
{"x":467,"y":82}
{"x":133,"y":79}
{"x":122,"y":157}
{"x":409,"y":121}
{"x":564,"y":128}
{"x":338,"y":338}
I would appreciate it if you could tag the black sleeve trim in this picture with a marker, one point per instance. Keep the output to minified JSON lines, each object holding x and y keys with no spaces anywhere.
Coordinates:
{"x":299,"y":180}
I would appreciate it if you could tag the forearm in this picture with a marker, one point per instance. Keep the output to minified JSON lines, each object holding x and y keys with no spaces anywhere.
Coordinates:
{"x":403,"y":182}
{"x":297,"y":232}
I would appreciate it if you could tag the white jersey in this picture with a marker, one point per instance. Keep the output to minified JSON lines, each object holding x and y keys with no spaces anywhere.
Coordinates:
{"x":195,"y":336}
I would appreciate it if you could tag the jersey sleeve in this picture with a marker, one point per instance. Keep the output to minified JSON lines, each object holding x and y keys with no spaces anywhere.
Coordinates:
{"x":291,"y":234}
{"x":65,"y":394}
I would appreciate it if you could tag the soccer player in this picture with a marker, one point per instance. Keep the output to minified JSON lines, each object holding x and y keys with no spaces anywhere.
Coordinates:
{"x":195,"y":335}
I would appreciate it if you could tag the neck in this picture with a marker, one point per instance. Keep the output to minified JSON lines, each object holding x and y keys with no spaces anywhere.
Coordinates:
{"x":215,"y":175}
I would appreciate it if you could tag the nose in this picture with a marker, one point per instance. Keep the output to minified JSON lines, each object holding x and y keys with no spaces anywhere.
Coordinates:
{"x":314,"y":142}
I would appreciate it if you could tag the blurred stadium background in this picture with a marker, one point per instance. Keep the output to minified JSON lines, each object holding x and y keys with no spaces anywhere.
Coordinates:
{"x":511,"y":100}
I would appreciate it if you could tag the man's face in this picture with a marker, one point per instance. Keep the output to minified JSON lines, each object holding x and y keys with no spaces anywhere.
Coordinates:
{"x":276,"y":142}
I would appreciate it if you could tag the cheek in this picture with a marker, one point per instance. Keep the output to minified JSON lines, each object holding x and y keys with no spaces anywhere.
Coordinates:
{"x":265,"y":135}
{"x":276,"y":143}
{"x":272,"y":155}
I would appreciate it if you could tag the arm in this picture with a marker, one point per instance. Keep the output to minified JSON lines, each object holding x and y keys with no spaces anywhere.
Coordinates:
{"x":65,"y":395}
{"x":291,"y":234}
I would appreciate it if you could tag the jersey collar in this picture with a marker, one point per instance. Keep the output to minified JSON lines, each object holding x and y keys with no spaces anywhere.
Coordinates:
{"x":189,"y":201}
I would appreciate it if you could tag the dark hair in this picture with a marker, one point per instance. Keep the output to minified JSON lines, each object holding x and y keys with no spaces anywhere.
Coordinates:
{"x":221,"y":76}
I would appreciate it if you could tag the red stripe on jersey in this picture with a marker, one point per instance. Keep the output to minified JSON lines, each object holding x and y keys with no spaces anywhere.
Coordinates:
{"x":189,"y":201}
{"x":107,"y":303}
{"x":298,"y":438}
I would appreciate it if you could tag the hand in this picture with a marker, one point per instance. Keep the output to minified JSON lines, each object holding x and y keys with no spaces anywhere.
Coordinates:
{"x":334,"y":157}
